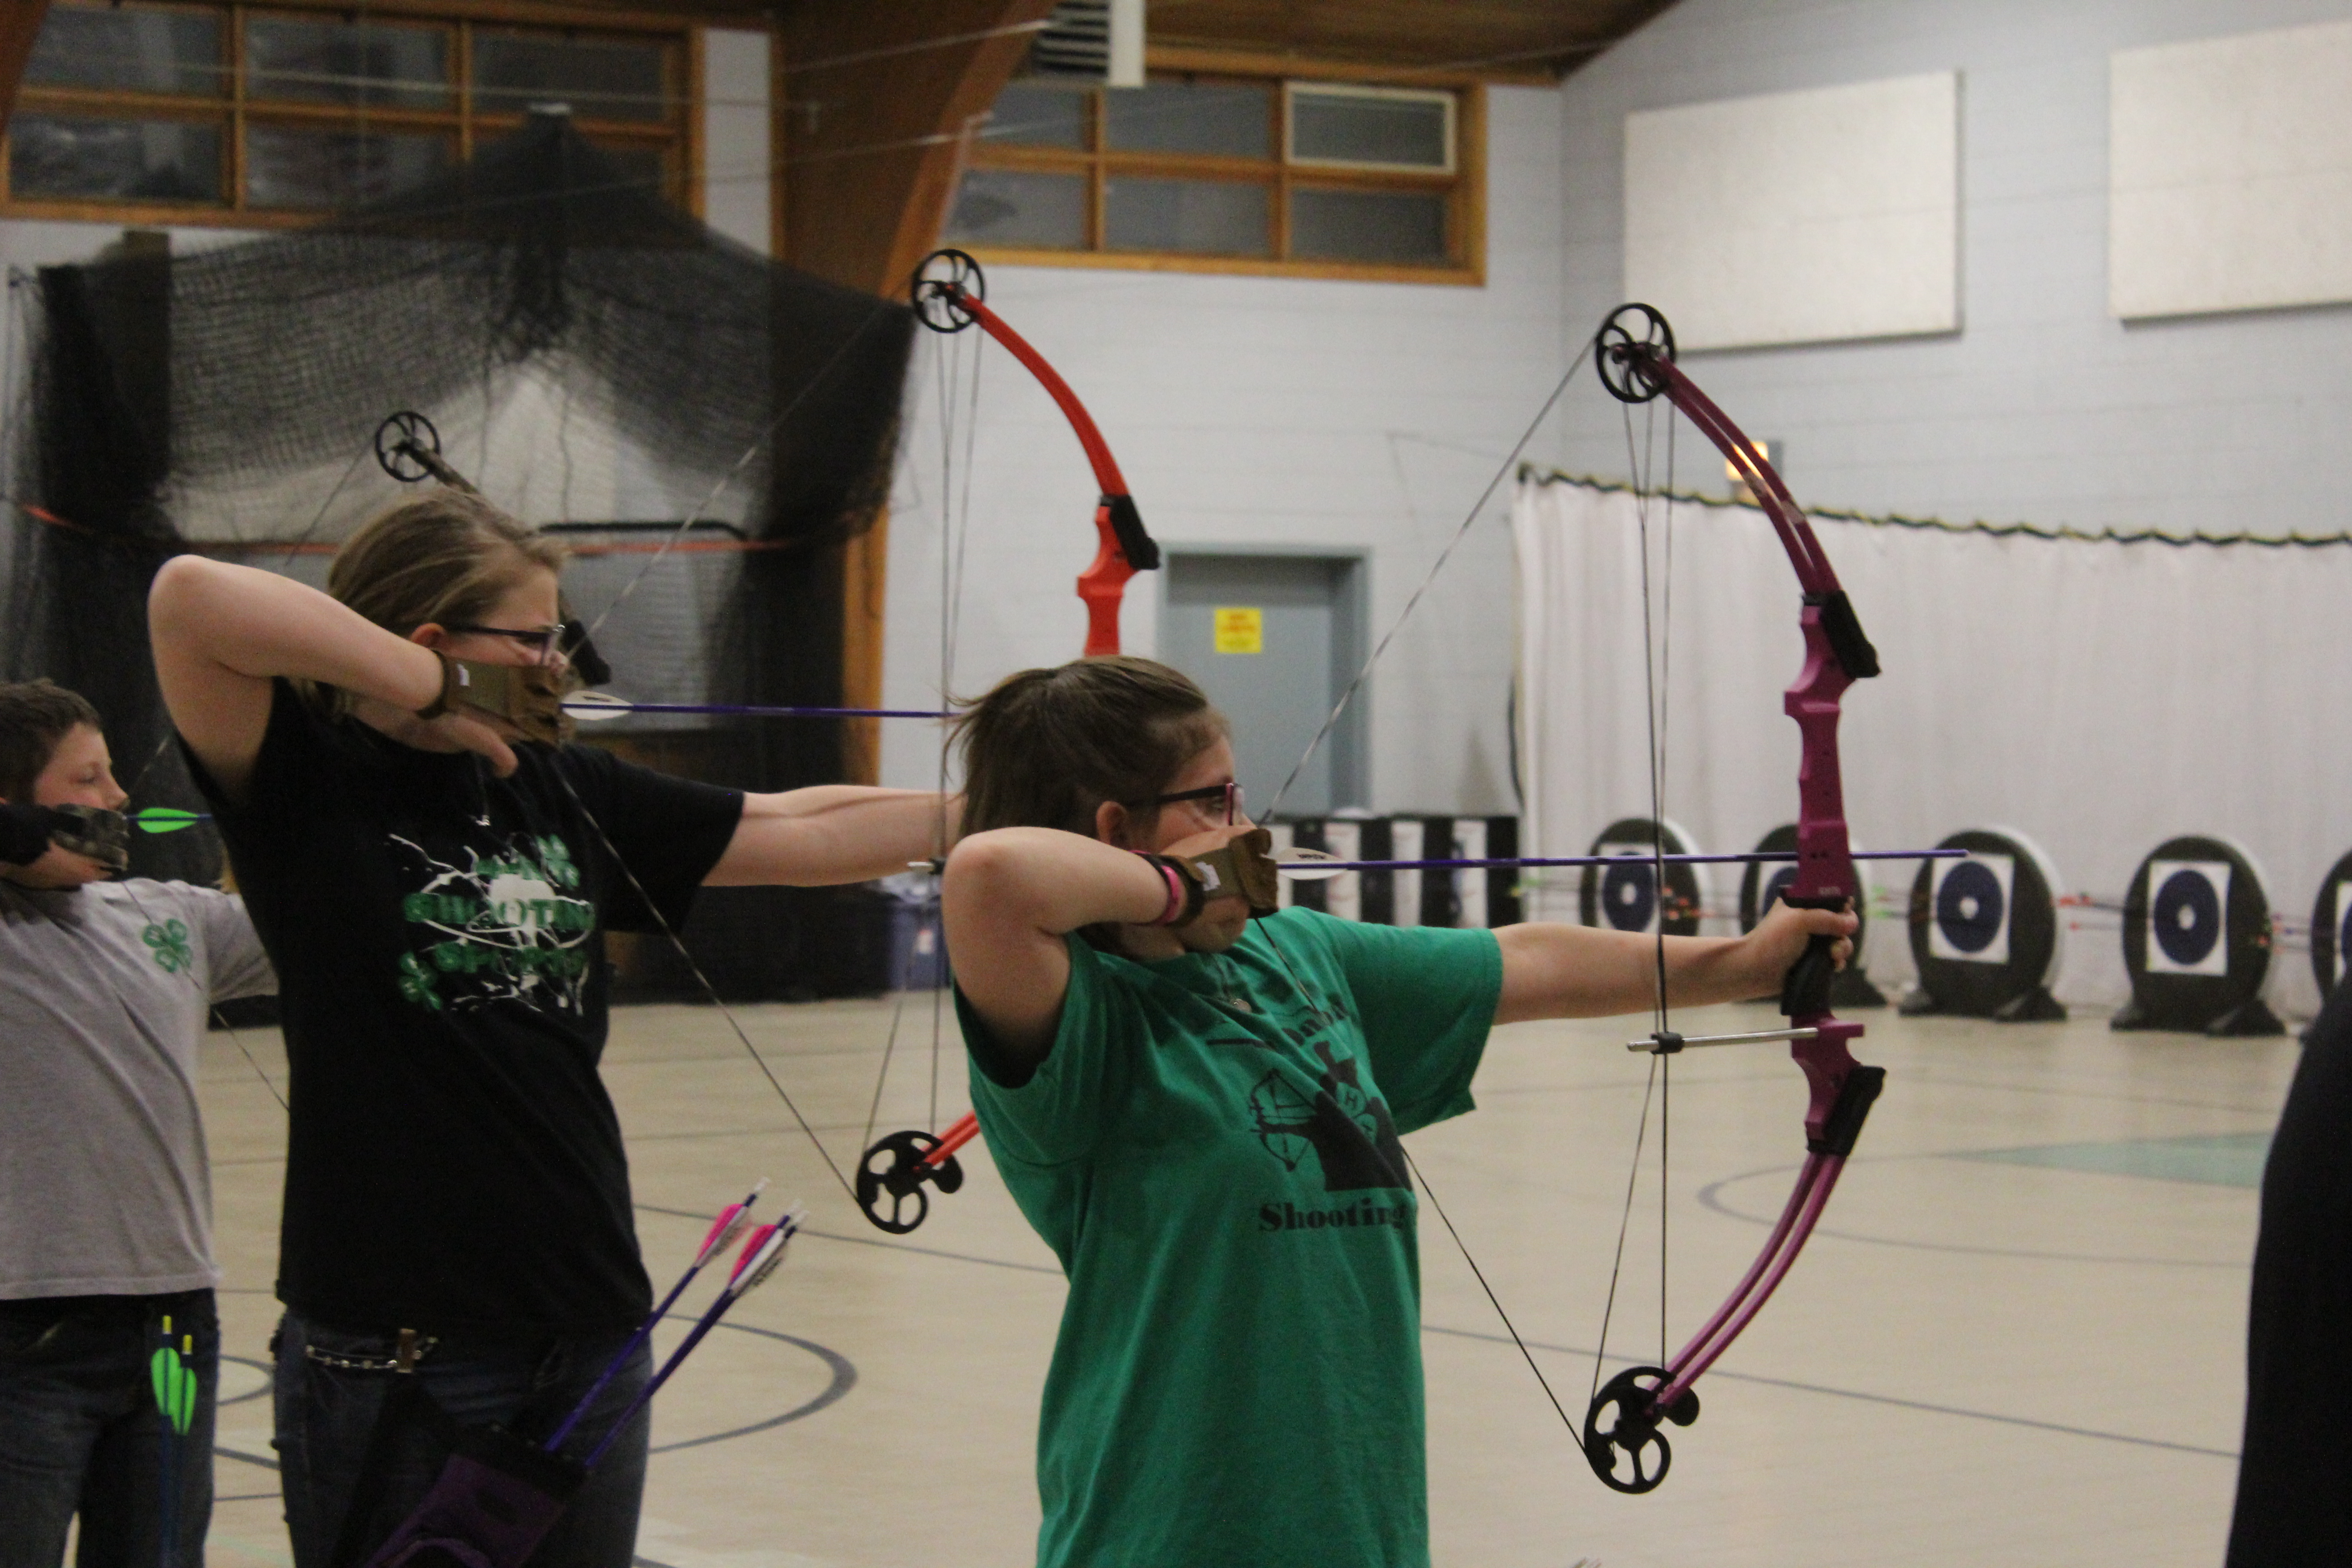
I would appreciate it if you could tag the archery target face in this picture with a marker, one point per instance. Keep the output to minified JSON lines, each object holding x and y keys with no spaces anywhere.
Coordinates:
{"x":1629,"y":893}
{"x":1970,"y":903}
{"x":2188,"y":917}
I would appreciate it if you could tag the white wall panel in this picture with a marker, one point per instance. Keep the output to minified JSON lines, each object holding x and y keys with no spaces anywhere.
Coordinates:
{"x":2231,"y":173}
{"x":735,"y":158}
{"x":1795,"y":218}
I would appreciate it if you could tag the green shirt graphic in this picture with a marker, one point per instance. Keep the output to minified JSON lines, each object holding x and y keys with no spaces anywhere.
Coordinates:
{"x":1211,"y":1148}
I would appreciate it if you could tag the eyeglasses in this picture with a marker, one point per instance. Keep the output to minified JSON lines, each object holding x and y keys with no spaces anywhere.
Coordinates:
{"x":1229,"y":792}
{"x":544,"y":641}
{"x":565,"y":639}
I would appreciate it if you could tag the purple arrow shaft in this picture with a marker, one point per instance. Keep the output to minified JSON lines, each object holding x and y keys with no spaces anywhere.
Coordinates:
{"x":1320,"y":864}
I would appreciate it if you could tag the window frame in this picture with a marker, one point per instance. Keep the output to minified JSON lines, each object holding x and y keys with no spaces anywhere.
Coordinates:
{"x":678,"y":137}
{"x":1463,"y":186}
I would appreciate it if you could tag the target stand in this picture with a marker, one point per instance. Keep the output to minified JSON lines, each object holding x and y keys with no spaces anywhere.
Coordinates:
{"x":1985,"y":931}
{"x":2196,"y":942}
{"x":1762,"y":882}
{"x":1625,"y":896}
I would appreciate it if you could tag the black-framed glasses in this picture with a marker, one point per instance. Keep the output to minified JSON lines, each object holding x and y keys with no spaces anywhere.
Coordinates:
{"x":1229,"y":792}
{"x":567,"y":638}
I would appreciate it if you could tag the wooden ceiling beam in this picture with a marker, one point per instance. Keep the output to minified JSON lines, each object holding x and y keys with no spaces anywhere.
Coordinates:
{"x":20,"y":24}
{"x":874,"y":107}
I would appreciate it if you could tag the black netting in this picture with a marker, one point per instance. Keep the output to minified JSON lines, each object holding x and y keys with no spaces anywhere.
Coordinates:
{"x":592,"y":355}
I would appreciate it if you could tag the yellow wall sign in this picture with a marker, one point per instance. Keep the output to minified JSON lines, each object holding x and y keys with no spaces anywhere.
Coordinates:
{"x":1240,"y":629}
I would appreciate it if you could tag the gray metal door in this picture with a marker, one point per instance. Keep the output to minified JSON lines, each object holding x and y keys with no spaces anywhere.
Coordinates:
{"x":1274,"y":639}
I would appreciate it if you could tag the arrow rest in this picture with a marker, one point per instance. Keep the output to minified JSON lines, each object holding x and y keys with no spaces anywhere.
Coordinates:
{"x":1632,"y":1437}
{"x":892,"y":1174}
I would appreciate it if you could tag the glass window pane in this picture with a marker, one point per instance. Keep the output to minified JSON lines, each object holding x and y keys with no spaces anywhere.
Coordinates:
{"x":1405,"y":226}
{"x":601,"y":79}
{"x":1195,"y":217}
{"x":138,"y":159}
{"x":1355,"y":127}
{"x":134,"y":51}
{"x":342,"y":62}
{"x":1190,"y":117}
{"x":285,"y":167}
{"x":1031,"y":116}
{"x":1012,"y":207}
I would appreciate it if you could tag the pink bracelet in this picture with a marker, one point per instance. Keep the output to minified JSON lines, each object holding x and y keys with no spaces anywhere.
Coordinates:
{"x":1176,"y":900}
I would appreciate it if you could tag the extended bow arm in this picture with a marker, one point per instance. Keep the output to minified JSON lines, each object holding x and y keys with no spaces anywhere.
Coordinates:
{"x":1634,"y":354}
{"x":949,"y":295}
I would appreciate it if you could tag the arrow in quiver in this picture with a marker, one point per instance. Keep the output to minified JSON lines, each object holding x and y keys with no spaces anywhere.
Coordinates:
{"x":1762,"y":883}
{"x":2331,"y":927}
{"x":1626,"y":897}
{"x":1985,"y":931}
{"x":2196,"y":942}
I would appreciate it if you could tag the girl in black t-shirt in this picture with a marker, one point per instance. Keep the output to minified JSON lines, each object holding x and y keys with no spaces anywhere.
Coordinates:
{"x":435,"y":886}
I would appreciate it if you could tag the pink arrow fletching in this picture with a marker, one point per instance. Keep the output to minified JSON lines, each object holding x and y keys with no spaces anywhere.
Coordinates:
{"x":727,"y":1227}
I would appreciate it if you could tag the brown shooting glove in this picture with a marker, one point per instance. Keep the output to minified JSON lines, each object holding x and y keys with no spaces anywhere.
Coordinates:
{"x":528,"y":696}
{"x":1243,"y":868}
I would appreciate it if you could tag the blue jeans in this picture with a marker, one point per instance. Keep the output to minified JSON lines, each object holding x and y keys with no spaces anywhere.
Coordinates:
{"x":79,"y":1431}
{"x":327,"y":1416}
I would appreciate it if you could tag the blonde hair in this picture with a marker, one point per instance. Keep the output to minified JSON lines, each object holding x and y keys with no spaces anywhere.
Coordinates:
{"x":447,"y":558}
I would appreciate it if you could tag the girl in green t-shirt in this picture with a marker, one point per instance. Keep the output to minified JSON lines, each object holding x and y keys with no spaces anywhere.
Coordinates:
{"x":1200,"y":1112}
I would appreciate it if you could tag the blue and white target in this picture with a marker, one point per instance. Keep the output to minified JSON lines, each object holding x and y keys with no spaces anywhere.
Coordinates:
{"x":1628,"y":892}
{"x":1970,"y":906}
{"x":2188,"y":917}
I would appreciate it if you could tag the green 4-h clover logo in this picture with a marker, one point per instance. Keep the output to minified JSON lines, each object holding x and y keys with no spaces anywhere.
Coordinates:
{"x":556,"y":859}
{"x":417,"y":982}
{"x":170,"y":940}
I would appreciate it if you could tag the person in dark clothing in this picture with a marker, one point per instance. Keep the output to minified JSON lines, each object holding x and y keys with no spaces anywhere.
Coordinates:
{"x":434,"y":871}
{"x":2294,"y":1468}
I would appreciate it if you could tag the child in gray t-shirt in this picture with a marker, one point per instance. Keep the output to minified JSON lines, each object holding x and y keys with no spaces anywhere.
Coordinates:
{"x":106,"y":1257}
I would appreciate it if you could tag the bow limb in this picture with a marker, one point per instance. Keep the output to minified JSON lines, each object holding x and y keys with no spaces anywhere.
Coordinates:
{"x":950,"y":294}
{"x":1634,"y":353}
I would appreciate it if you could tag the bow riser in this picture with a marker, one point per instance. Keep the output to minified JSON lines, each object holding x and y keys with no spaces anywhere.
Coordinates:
{"x":1824,"y":866}
{"x":1103,"y":584}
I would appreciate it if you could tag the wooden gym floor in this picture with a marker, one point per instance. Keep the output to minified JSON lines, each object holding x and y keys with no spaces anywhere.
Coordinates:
{"x":2017,"y":1338}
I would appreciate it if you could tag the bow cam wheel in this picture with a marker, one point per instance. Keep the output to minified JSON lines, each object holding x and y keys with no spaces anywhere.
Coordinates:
{"x":945,"y":280}
{"x":1632,"y":344}
{"x":1630,"y":1453}
{"x":404,"y":442}
{"x":892,"y":1175}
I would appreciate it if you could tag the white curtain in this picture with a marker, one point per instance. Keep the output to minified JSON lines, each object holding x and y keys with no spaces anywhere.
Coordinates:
{"x":2098,"y":698}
